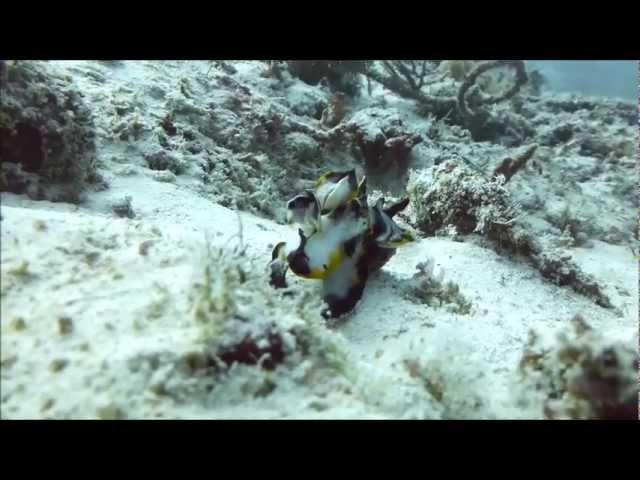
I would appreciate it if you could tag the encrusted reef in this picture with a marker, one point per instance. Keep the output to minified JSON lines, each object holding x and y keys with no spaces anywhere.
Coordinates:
{"x":47,"y":134}
{"x":451,"y":198}
{"x":582,"y":375}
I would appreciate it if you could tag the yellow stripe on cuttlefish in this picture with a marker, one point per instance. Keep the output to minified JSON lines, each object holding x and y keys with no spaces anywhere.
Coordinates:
{"x":406,"y":238}
{"x":323,"y":178}
{"x":335,"y":260}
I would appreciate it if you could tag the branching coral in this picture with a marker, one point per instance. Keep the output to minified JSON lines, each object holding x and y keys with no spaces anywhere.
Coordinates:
{"x":464,"y":109}
{"x":413,"y":72}
{"x":438,"y":106}
{"x":482,"y":124}
{"x":471,"y":78}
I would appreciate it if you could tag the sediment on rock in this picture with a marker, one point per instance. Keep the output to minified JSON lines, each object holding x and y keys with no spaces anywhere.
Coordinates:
{"x":47,"y":135}
{"x":453,"y":195}
{"x":582,"y":375}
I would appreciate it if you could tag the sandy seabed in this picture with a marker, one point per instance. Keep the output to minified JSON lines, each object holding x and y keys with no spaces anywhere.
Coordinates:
{"x":102,"y":312}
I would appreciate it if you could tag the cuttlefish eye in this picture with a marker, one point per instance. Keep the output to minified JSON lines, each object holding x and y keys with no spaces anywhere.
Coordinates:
{"x":299,"y":202}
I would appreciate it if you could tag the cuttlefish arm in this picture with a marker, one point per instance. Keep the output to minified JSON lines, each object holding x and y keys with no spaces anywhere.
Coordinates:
{"x":343,"y":288}
{"x":278,"y":266}
{"x":397,"y":207}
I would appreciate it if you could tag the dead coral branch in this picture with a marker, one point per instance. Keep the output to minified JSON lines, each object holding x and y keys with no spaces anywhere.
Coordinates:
{"x":407,"y":80}
{"x":439,"y":106}
{"x":470,"y":80}
{"x":511,"y":165}
{"x":414,"y":72}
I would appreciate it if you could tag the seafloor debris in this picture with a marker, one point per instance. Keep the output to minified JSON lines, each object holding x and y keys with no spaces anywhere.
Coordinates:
{"x":47,"y":135}
{"x":509,"y":166}
{"x":256,"y":337}
{"x":242,"y":322}
{"x":429,"y":287}
{"x":583,"y":376}
{"x":335,"y":111}
{"x":342,"y":239}
{"x":123,"y":208}
{"x":65,"y":325}
{"x":561,"y":270}
{"x":163,"y":160}
{"x":111,"y":412}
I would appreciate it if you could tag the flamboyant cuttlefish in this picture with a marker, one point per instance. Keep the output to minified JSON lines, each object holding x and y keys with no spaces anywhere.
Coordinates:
{"x":342,"y":239}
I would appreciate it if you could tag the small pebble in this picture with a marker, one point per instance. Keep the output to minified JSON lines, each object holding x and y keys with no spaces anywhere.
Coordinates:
{"x":122,"y":208}
{"x":91,"y":257}
{"x":18,"y":324}
{"x":39,"y":225}
{"x":47,"y":404}
{"x":58,"y":365}
{"x":111,"y":412}
{"x":164,"y":176}
{"x":8,"y":362}
{"x":65,"y":325}
{"x":143,"y":249}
